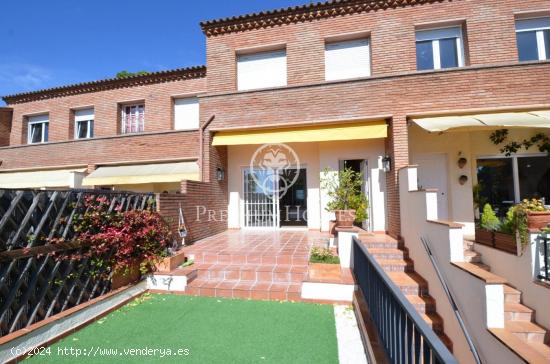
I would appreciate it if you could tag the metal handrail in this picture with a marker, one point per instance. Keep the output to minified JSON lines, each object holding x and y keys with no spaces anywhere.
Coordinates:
{"x":420,"y":329}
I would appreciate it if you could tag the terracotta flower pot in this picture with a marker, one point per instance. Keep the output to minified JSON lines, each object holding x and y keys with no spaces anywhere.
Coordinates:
{"x":345,"y":218}
{"x":538,"y":219}
{"x":120,"y":279}
{"x":485,"y":237}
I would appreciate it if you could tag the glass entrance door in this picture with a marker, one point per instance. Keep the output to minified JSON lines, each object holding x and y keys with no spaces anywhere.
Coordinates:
{"x":261,"y":199}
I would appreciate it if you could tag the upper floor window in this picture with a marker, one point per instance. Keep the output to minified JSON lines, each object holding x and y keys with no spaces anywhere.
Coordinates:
{"x":533,"y":38}
{"x":261,"y":70}
{"x":38,"y":129}
{"x":84,"y":123}
{"x":186,"y":113}
{"x":347,"y":59}
{"x":133,"y":118}
{"x":439,"y":48}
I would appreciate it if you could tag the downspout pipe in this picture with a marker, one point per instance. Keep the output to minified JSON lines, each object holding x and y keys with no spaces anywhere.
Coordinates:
{"x":201,"y":146}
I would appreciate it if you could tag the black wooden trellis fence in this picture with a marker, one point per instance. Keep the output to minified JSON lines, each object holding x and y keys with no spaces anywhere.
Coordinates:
{"x":33,"y":284}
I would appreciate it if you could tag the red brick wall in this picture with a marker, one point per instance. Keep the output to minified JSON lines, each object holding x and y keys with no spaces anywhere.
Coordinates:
{"x":489,"y":28}
{"x":134,"y":148}
{"x":158,"y":109}
{"x":5,"y":126}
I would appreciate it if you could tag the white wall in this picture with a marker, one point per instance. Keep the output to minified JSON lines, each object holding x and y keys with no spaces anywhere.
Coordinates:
{"x":314,"y":157}
{"x":470,"y":145}
{"x":471,"y":294}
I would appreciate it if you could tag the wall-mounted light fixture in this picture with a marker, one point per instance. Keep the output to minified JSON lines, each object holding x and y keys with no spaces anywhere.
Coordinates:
{"x":220,"y":174}
{"x":386,"y":163}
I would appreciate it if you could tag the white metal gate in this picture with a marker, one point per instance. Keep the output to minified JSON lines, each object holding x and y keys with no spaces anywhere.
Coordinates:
{"x":261,"y":199}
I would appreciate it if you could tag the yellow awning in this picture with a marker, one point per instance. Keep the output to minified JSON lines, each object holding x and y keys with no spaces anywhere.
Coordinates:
{"x":527,"y":119}
{"x":320,"y":133}
{"x":143,"y":173}
{"x":59,"y":178}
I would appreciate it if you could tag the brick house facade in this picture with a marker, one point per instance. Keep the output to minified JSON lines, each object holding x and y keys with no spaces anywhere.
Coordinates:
{"x":492,"y":78}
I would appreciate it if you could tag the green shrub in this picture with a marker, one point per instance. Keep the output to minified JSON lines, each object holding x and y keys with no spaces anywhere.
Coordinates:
{"x":344,"y":191}
{"x":489,"y":219}
{"x":323,"y":255}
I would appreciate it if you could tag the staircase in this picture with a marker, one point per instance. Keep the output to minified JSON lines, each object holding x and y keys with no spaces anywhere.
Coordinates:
{"x":521,"y":333}
{"x":394,"y":258}
{"x":246,"y":276}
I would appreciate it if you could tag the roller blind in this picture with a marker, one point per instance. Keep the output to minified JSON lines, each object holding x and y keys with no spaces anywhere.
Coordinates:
{"x":348,"y":59}
{"x":261,"y":70}
{"x":186,"y":113}
{"x":84,"y":114}
{"x":44,"y":118}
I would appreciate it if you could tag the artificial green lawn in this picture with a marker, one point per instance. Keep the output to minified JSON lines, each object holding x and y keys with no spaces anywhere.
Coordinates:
{"x":214,"y":330}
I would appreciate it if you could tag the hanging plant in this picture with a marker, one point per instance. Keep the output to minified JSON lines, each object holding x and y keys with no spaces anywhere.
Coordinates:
{"x":540,"y":140}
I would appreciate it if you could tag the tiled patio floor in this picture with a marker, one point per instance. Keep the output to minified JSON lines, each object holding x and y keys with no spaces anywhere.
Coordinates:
{"x":251,"y":264}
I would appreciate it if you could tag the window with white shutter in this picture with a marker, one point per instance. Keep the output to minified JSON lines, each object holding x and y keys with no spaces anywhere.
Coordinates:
{"x":439,"y":48}
{"x":133,"y":118}
{"x":261,"y":70}
{"x":186,"y":113}
{"x":37,"y":129}
{"x":84,"y":123}
{"x":347,"y":59}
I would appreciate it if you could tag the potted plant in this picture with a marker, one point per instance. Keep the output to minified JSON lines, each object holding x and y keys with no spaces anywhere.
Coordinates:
{"x":538,"y":217}
{"x":489,"y":223}
{"x":347,"y":200}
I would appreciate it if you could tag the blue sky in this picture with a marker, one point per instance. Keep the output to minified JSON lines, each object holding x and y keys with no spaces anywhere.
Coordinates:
{"x":57,"y":42}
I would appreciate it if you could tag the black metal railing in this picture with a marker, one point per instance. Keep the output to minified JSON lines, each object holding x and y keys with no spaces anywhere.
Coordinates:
{"x":36,"y":281}
{"x":404,"y":334}
{"x":544,"y":273}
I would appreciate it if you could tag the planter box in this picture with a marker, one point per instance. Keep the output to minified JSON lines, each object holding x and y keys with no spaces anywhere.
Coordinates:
{"x":485,"y":237}
{"x":345,"y":218}
{"x":120,"y":279}
{"x":538,"y":220}
{"x":506,"y":242}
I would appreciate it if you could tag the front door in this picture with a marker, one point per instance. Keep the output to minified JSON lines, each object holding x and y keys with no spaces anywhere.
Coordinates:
{"x":261,"y":199}
{"x":432,"y":173}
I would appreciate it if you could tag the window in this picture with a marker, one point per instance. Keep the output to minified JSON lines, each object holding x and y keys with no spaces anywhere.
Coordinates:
{"x":38,"y":129}
{"x":84,"y":124}
{"x":439,"y":48}
{"x":133,"y":118}
{"x":504,"y":181}
{"x":186,"y":113}
{"x":533,"y":38}
{"x":348,"y":59}
{"x":261,"y":70}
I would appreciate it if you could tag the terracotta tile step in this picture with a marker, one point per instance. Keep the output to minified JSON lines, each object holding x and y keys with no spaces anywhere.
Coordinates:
{"x":531,"y":352}
{"x":372,"y":238}
{"x":511,"y":294}
{"x":410,"y":283}
{"x":245,"y":290}
{"x":526,"y":330}
{"x":250,"y":272}
{"x":434,"y":321}
{"x":385,"y":253}
{"x":396,"y":265}
{"x":517,"y":312}
{"x":471,"y":256}
{"x":423,"y":304}
{"x":382,"y":244}
{"x":485,"y":267}
{"x":269,"y":258}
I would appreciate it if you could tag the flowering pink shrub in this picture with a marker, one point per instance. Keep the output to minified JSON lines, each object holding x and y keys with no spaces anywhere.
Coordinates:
{"x":120,"y":239}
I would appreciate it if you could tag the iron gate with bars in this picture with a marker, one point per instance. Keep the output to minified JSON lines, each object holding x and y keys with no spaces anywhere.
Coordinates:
{"x":34,"y":284}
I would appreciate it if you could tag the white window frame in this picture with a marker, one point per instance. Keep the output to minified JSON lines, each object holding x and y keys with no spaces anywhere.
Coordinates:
{"x":29,"y":130}
{"x":334,"y":74}
{"x":515,"y":168}
{"x":89,"y":121}
{"x":435,"y":35}
{"x":193,"y":114}
{"x":537,"y":25}
{"x":124,"y":118}
{"x":244,"y":84}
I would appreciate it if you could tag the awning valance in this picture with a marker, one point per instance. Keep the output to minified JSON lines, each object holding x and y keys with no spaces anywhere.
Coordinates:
{"x":526,"y":119}
{"x":59,"y":178}
{"x":311,"y":133}
{"x":143,"y":173}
